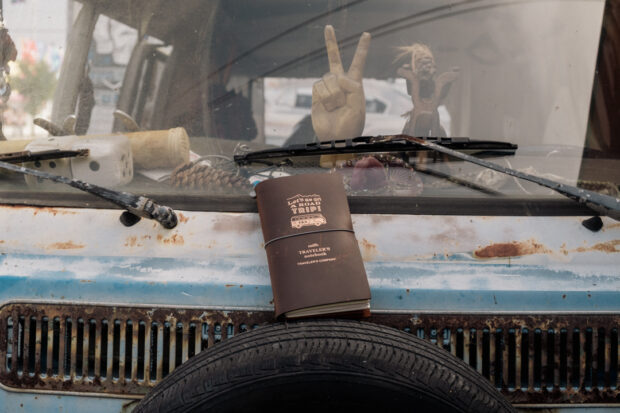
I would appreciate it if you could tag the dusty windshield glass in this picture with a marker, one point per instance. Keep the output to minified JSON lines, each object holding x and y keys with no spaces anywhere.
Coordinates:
{"x":163,"y":95}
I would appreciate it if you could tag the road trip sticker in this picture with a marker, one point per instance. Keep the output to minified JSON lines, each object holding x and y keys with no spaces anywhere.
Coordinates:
{"x":306,"y":210}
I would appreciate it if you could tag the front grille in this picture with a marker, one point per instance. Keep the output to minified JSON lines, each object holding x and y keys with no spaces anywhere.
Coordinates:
{"x":530,"y":359}
{"x":106,"y":349}
{"x":123,"y":350}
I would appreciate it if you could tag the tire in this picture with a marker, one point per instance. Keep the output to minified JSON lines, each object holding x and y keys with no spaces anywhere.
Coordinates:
{"x":321,"y":366}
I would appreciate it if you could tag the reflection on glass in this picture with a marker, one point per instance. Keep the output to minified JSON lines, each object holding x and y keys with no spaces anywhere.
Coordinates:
{"x":241,"y":76}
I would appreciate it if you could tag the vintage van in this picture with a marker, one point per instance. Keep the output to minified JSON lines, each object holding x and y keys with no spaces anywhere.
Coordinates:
{"x":489,"y":292}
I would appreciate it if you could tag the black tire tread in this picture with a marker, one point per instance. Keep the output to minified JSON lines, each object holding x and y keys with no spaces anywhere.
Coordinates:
{"x":397,"y":356}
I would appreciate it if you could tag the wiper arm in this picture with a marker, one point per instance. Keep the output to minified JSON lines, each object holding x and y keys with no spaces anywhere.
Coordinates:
{"x":368,"y":144}
{"x":457,"y":181}
{"x":602,"y":204}
{"x":136,"y":206}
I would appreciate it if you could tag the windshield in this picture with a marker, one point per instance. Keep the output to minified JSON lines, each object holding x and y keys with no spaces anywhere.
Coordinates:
{"x":163,"y":95}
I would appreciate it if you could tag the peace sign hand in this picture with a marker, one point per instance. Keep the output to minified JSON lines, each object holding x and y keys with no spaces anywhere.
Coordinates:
{"x":338,"y":103}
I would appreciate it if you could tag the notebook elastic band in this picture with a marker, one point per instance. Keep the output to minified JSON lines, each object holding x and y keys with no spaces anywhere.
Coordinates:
{"x":306,"y":233}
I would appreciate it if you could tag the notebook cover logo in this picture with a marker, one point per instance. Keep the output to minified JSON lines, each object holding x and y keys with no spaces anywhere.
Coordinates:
{"x":306,"y":210}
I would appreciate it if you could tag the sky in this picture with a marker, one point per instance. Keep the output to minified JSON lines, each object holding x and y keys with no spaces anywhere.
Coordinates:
{"x":43,"y":21}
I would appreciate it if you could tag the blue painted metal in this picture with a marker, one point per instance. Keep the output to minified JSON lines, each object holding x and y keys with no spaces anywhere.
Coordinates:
{"x":16,"y":402}
{"x":12,"y":402}
{"x":420,"y":286}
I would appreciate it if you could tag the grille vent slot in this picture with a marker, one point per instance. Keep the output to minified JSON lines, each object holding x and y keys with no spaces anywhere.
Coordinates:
{"x":542,"y":359}
{"x":106,"y":349}
{"x":537,"y":359}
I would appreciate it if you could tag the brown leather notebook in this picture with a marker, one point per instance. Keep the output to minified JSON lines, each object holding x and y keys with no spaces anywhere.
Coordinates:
{"x":314,"y":260}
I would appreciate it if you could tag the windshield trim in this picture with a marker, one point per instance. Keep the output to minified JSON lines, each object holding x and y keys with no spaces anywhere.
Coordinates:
{"x":480,"y":206}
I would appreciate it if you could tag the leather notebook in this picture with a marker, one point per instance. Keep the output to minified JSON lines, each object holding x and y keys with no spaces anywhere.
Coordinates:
{"x":314,"y":260}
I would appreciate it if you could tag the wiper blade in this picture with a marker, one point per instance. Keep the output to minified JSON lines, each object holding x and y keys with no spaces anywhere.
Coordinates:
{"x":136,"y":205}
{"x":602,"y":204}
{"x":28,"y":156}
{"x":368,"y":144}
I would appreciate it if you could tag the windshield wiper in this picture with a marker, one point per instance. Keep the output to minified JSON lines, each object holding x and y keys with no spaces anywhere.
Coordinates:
{"x":136,"y":206}
{"x":29,"y":156}
{"x":368,"y":144}
{"x":602,"y":204}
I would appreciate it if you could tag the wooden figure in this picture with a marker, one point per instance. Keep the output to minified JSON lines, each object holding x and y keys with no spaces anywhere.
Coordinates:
{"x":427,"y":90}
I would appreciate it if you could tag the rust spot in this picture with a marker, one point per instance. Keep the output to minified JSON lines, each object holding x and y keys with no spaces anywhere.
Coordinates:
{"x":160,"y":237}
{"x":69,"y":245}
{"x":182,"y":218}
{"x":53,"y":211}
{"x":238,"y":223}
{"x":610,"y":226}
{"x":145,"y":237}
{"x":454,"y":232}
{"x":175,"y":239}
{"x":229,"y":285}
{"x":131,"y":241}
{"x":87,"y":281}
{"x":609,"y":246}
{"x":563,"y":296}
{"x":368,"y":250}
{"x":1,"y":241}
{"x":378,"y":219}
{"x":511,"y":249}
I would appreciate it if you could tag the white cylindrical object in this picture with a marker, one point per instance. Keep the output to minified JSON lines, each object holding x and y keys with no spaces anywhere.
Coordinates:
{"x":109,"y":163}
{"x":60,"y":167}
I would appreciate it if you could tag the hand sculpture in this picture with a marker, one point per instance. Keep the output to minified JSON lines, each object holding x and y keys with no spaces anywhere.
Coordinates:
{"x":338,"y":103}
